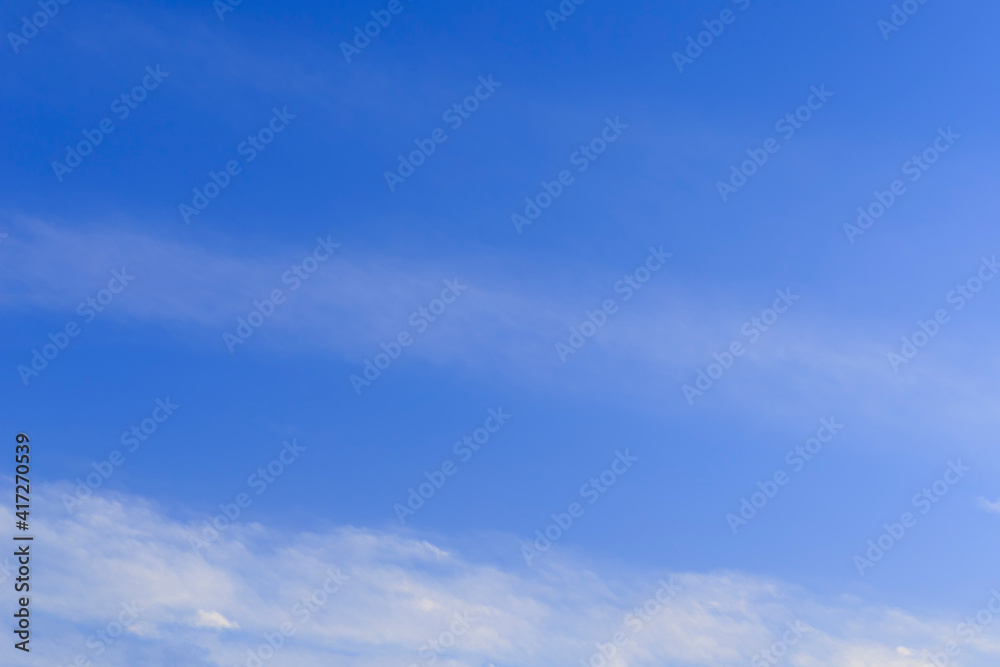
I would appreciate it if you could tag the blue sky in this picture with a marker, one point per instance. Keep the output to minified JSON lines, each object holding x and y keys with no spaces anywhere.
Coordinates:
{"x":308,"y":212}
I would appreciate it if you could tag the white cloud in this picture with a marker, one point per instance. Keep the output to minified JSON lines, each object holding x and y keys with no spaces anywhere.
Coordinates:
{"x":391,"y":596}
{"x":213,"y":619}
{"x":507,"y":323}
{"x":990,"y":505}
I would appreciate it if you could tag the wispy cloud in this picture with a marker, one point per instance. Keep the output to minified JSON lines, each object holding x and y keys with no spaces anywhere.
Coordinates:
{"x":213,"y":619}
{"x":990,"y":505}
{"x":507,"y":325}
{"x":401,"y":599}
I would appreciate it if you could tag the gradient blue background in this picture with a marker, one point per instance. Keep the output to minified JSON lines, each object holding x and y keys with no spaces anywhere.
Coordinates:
{"x":656,"y":185}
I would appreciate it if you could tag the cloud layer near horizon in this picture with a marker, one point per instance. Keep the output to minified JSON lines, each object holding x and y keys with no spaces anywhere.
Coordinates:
{"x":389,"y":597}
